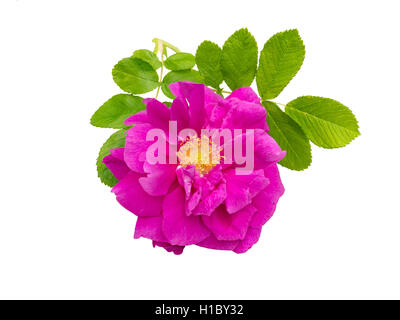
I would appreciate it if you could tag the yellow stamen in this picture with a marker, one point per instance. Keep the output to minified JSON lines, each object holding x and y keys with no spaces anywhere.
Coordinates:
{"x":202,"y":152}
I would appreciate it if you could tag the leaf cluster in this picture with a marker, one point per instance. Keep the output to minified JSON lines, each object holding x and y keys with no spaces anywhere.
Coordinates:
{"x":238,"y":63}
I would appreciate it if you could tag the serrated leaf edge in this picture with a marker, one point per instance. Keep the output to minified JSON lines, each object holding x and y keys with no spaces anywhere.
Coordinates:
{"x":289,"y":144}
{"x":358,"y":133}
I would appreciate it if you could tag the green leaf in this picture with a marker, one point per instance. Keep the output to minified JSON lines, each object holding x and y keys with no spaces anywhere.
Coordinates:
{"x":175,"y":76}
{"x":328,"y":123}
{"x":239,"y":59}
{"x":290,"y":137}
{"x":280,"y":60}
{"x":114,"y":111}
{"x":149,"y":57}
{"x":134,"y":75}
{"x":116,"y":140}
{"x":168,"y":103}
{"x":208,"y":60}
{"x":180,"y":61}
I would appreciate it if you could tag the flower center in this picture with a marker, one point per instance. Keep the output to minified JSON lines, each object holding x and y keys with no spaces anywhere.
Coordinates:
{"x":202,"y":152}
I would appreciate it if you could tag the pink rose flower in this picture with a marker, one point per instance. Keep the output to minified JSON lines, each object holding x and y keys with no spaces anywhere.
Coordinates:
{"x":192,"y":203}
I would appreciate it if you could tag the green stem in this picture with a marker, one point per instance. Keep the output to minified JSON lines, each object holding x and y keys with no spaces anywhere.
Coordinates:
{"x":278,"y":103}
{"x":161,"y":75}
{"x":281,"y":104}
{"x":161,"y":44}
{"x":220,"y":90}
{"x":161,"y":48}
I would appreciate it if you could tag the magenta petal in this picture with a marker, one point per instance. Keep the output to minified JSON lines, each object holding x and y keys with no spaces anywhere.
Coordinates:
{"x":136,"y":146}
{"x":201,"y":100}
{"x":170,"y":248}
{"x":211,"y":97}
{"x":140,"y":117}
{"x":217,"y":113}
{"x":245,"y":94}
{"x":252,"y":236}
{"x":159,"y":178}
{"x":115,"y":164}
{"x":118,"y":153}
{"x":276,"y":186}
{"x":213,"y":243}
{"x":210,"y":202}
{"x":266,"y":150}
{"x":214,"y":176}
{"x":150,"y":228}
{"x":209,"y":191}
{"x":265,"y":202}
{"x":245,"y":115}
{"x":265,"y":209}
{"x":180,"y":114}
{"x":132,"y":197}
{"x":185,"y":177}
{"x":241,"y":189}
{"x":178,"y":228}
{"x":158,"y":113}
{"x":192,"y":202}
{"x":194,"y":94}
{"x":226,"y":226}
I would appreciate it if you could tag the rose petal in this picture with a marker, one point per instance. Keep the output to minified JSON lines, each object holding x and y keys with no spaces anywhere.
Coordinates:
{"x":210,"y":202}
{"x":180,"y":114}
{"x":118,"y":153}
{"x":170,"y":248}
{"x":185,"y":177}
{"x":140,"y":117}
{"x":158,"y":114}
{"x":213,"y":243}
{"x":252,"y":237}
{"x":194,"y":94}
{"x":178,"y":228}
{"x":241,"y":189}
{"x":115,"y":163}
{"x":159,"y":178}
{"x":132,"y":197}
{"x":245,"y":115}
{"x":265,"y":202}
{"x":245,"y":94}
{"x":136,"y":146}
{"x":150,"y":228}
{"x":266,"y":150}
{"x":226,"y":226}
{"x":217,"y":112}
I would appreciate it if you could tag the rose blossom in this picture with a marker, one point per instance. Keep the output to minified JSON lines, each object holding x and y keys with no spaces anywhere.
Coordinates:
{"x":190,"y":202}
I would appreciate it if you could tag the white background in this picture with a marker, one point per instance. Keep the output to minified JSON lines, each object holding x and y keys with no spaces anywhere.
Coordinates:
{"x":336,"y":232}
